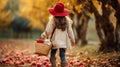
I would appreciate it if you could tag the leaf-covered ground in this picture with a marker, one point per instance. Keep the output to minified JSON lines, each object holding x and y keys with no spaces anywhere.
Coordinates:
{"x":20,"y":53}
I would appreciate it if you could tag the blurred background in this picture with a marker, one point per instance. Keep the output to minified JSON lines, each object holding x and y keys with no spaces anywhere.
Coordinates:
{"x":27,"y":19}
{"x":23,"y":18}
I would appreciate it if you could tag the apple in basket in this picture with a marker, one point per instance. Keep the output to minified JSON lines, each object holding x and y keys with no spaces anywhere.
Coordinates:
{"x":40,"y":40}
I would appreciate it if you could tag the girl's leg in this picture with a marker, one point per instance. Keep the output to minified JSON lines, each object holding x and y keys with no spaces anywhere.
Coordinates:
{"x":63,"y":57}
{"x":53,"y":52}
{"x":62,"y":54}
{"x":53,"y":58}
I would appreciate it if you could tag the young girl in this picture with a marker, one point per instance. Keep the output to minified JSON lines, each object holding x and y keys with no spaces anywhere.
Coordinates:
{"x":59,"y":30}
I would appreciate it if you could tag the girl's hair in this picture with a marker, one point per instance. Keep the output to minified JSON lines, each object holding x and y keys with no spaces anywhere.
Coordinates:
{"x":61,"y":22}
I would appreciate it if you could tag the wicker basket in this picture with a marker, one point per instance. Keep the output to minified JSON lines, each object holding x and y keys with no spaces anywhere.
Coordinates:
{"x":42,"y":49}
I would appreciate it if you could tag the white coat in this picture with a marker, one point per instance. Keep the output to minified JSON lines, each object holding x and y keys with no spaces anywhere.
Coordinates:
{"x":60,"y":39}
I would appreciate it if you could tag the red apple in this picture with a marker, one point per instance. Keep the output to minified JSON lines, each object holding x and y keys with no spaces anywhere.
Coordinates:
{"x":45,"y":62}
{"x":81,"y":64}
{"x":27,"y":57}
{"x":77,"y":64}
{"x":3,"y":61}
{"x":17,"y":56}
{"x":33,"y":63}
{"x":39,"y":64}
{"x":71,"y":62}
{"x":7,"y":62}
{"x":0,"y":61}
{"x":86,"y":60}
{"x":69,"y":65}
{"x":10,"y":58}
{"x":40,"y":41}
{"x":21,"y":62}
{"x":27,"y":60}
{"x":16,"y":62}
{"x":38,"y":58}
{"x":47,"y":59}
{"x":34,"y":57}
{"x":47,"y":65}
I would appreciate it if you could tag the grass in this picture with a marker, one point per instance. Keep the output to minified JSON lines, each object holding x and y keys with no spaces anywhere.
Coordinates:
{"x":85,"y":51}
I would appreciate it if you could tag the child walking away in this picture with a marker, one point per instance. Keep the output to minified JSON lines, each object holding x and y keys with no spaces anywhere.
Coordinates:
{"x":59,"y":30}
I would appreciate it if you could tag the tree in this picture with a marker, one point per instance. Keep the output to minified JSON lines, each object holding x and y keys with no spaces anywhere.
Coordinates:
{"x":104,"y":26}
{"x":20,"y":26}
{"x":79,"y":12}
{"x":116,"y":5}
{"x":9,"y":10}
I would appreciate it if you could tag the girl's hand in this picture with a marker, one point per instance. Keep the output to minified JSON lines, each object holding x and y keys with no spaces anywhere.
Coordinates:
{"x":43,"y":36}
{"x":72,"y":43}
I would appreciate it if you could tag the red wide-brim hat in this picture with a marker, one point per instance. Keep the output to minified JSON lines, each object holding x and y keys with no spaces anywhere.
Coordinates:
{"x":59,"y":10}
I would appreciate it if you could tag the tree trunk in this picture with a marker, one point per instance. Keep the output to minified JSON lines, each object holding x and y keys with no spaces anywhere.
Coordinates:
{"x":82,"y":25}
{"x":104,"y":25}
{"x":117,"y":31}
{"x":83,"y":29}
{"x":116,"y":5}
{"x":108,"y":29}
{"x":72,"y":16}
{"x":78,"y":27}
{"x":98,"y":21}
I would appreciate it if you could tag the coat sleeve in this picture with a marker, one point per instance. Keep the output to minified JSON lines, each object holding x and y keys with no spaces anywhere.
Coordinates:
{"x":49,"y":28}
{"x":70,"y":33}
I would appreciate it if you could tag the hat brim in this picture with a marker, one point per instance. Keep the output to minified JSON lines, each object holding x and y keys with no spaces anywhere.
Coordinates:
{"x":54,"y":13}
